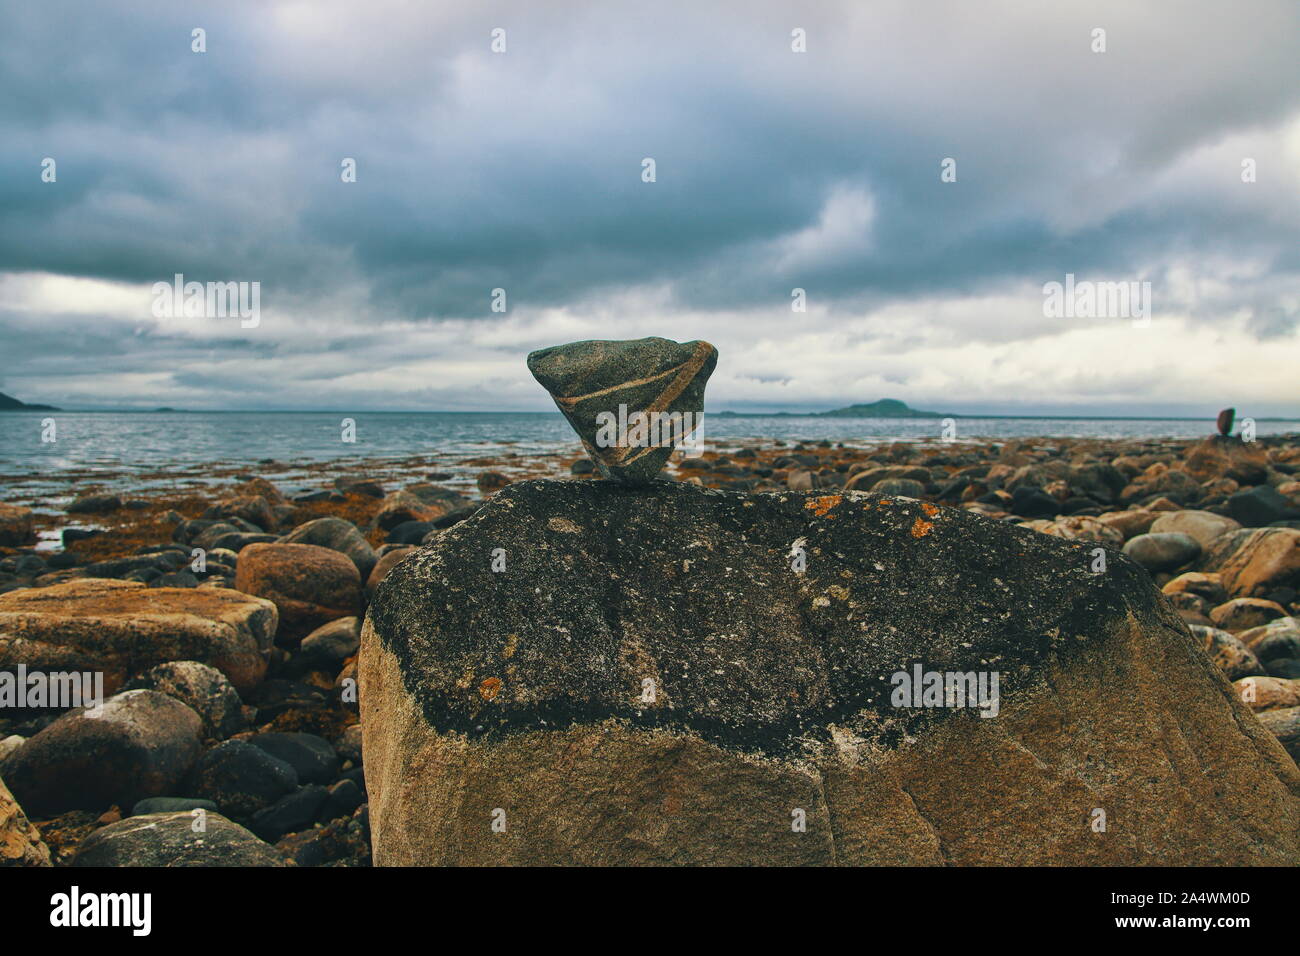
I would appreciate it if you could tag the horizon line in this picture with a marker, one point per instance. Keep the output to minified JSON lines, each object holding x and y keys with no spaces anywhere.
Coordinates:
{"x":727,"y":412}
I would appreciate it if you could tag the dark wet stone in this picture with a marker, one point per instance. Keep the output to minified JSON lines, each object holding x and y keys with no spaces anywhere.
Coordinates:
{"x":73,"y":535}
{"x":590,"y":380}
{"x":277,"y":696}
{"x":410,"y":532}
{"x":242,"y":779}
{"x":289,"y":814}
{"x":171,"y":805}
{"x":344,"y":798}
{"x":140,"y":745}
{"x":237,"y":541}
{"x":311,"y":757}
{"x":310,"y":497}
{"x":1029,"y":502}
{"x":95,"y":504}
{"x":1260,"y":506}
{"x":360,"y":486}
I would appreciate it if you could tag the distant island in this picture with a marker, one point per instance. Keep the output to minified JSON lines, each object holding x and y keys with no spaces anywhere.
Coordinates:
{"x":885,"y":408}
{"x":10,"y":404}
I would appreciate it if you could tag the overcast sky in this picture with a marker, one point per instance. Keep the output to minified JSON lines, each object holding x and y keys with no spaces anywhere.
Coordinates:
{"x":775,"y":170}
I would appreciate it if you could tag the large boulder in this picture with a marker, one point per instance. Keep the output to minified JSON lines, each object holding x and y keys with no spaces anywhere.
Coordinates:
{"x":337,"y":535}
{"x":20,"y":842}
{"x":175,"y":839}
{"x":123,"y":628}
{"x":649,"y":678}
{"x":308,"y":584}
{"x":140,"y":745}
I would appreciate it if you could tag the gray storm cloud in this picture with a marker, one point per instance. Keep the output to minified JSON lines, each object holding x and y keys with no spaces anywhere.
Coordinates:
{"x":774,"y":170}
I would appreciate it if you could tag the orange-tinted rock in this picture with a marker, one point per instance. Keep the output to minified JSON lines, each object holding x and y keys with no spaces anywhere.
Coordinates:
{"x":1241,"y":614}
{"x":1268,"y":693}
{"x":123,"y":628}
{"x":1129,"y":523}
{"x":309,"y":585}
{"x":20,"y":842}
{"x":1269,"y":558}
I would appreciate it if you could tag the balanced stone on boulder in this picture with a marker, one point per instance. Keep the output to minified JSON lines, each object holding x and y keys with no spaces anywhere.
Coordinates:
{"x":630,"y":401}
{"x":669,"y":674}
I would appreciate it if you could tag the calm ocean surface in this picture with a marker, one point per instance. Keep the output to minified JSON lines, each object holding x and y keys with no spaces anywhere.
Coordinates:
{"x":119,"y":445}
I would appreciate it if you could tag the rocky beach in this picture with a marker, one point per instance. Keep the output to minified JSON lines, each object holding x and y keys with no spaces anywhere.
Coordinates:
{"x":517,"y":660}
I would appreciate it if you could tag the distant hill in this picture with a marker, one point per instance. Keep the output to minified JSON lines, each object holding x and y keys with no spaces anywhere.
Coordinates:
{"x":8,"y":404}
{"x":885,"y":408}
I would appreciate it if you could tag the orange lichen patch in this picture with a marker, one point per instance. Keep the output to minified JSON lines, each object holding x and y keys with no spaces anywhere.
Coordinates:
{"x":929,"y":509}
{"x":920,"y":528}
{"x":127,"y":530}
{"x":317,"y":720}
{"x":490,"y":688}
{"x":819,"y":506}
